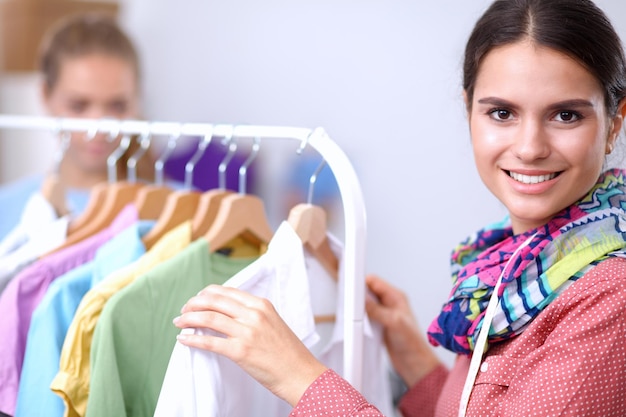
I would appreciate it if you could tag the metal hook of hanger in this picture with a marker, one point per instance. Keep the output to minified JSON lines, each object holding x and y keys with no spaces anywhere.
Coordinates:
{"x":232,"y":148}
{"x":313,"y":179}
{"x":144,"y":143}
{"x":304,"y":144}
{"x":65,"y":136}
{"x":190,"y":166}
{"x":92,"y":132}
{"x":160,"y":163}
{"x":117,"y":153}
{"x":243,"y":170}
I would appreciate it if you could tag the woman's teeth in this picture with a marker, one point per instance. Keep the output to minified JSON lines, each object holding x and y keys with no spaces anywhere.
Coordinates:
{"x":531,"y":179}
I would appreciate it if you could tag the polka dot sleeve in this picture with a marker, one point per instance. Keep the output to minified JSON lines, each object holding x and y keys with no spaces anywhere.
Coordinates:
{"x":331,"y":395}
{"x":421,"y":399}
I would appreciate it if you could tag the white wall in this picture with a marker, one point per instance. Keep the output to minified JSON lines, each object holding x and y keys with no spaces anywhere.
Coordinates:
{"x":382,"y":77}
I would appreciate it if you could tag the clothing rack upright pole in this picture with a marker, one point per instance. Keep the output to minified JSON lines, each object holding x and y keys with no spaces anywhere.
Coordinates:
{"x":347,"y":181}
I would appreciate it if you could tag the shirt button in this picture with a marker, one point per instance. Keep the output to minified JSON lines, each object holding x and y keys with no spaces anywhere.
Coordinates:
{"x":484,"y":367}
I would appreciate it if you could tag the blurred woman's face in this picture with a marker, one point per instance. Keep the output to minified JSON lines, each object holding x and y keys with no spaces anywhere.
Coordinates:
{"x":94,"y":86}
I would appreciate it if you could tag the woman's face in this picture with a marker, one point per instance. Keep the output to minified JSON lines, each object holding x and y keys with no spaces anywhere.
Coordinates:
{"x":540,"y":130}
{"x":95,"y":86}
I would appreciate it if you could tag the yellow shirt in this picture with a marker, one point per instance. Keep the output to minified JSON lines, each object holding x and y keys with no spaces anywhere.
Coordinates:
{"x":72,"y":381}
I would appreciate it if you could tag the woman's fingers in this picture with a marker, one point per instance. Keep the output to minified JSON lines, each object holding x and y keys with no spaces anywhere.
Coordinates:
{"x":250,"y":332}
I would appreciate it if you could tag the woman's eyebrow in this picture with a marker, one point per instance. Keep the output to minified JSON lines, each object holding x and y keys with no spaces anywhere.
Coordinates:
{"x":572,"y":103}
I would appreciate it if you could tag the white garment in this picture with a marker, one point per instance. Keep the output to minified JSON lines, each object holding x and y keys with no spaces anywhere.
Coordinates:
{"x":200,"y":383}
{"x":328,"y":296}
{"x":40,"y":230}
{"x":37,"y":213}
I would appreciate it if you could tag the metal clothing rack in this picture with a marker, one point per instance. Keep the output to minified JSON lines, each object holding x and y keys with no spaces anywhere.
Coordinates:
{"x":347,"y":181}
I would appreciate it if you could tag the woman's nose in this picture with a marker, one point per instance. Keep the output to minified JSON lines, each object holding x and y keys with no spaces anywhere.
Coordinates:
{"x":531,"y":141}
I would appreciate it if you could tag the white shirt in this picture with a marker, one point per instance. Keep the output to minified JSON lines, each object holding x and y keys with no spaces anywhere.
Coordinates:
{"x":39,"y":231}
{"x":200,"y":383}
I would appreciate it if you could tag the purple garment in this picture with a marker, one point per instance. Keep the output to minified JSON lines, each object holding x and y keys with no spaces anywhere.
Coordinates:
{"x":205,"y":173}
{"x":24,"y":293}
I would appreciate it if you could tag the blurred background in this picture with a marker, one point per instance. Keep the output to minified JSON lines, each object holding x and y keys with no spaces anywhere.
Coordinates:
{"x":382,"y":77}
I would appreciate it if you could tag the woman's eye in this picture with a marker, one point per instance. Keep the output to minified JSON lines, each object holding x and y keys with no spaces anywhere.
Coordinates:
{"x":77,"y":107}
{"x":500,"y":114}
{"x":118,"y":108}
{"x":567,"y":116}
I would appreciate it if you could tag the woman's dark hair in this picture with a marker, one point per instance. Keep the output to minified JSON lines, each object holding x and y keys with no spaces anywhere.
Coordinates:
{"x":577,"y":28}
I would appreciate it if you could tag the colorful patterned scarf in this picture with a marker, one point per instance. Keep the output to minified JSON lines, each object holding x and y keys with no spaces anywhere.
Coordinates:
{"x":562,"y":251}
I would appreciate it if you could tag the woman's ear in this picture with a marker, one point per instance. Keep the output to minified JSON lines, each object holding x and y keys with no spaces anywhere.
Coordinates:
{"x":617,"y":124}
{"x":621,"y":109}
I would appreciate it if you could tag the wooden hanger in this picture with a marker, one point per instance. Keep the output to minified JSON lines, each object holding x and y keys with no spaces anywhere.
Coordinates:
{"x":180,"y":206}
{"x":206,"y":212}
{"x":117,"y":196}
{"x":151,"y":201}
{"x":97,"y":195}
{"x":240,"y":215}
{"x":210,"y":201}
{"x":151,"y":198}
{"x":309,"y":223}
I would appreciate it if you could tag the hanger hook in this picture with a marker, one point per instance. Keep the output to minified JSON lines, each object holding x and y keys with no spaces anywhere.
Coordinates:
{"x":144,"y":143}
{"x":190,"y":166}
{"x":243,"y":169}
{"x":304,"y":144}
{"x":65,"y":136}
{"x":118,"y":152}
{"x":232,"y":148}
{"x":160,"y":163}
{"x":313,"y":180}
{"x":92,"y":132}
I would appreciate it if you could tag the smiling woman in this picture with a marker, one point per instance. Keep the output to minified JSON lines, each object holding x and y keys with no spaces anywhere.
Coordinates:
{"x":540,"y":141}
{"x":89,"y":68}
{"x":537,"y":313}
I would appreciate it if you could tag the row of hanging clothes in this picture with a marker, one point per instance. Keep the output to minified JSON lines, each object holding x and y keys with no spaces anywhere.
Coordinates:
{"x":87,"y":327}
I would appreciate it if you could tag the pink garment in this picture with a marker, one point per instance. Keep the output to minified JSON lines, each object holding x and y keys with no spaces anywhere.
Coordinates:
{"x":24,"y":293}
{"x":570,"y":361}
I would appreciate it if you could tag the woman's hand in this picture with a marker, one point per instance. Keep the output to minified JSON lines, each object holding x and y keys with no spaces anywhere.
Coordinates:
{"x":409,"y":351}
{"x":256,"y":338}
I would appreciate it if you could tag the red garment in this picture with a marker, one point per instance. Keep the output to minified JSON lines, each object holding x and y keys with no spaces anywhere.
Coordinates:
{"x":570,"y":361}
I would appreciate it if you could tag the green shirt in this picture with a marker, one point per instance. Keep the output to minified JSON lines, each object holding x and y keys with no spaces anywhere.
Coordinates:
{"x":134,"y":337}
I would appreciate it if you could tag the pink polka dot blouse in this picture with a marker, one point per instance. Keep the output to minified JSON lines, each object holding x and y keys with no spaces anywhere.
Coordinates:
{"x":570,"y":361}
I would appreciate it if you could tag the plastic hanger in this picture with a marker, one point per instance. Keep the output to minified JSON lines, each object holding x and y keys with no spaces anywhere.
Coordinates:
{"x":309,"y":223}
{"x":151,"y":199}
{"x":240,"y":215}
{"x":210,"y":200}
{"x":117,"y":196}
{"x":180,"y":206}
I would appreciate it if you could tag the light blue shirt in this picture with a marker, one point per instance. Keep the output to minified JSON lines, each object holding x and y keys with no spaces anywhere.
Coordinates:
{"x":52,"y":318}
{"x":14,"y":195}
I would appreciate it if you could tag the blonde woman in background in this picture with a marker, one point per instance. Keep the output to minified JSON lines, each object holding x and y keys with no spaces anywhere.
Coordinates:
{"x":90,"y":69}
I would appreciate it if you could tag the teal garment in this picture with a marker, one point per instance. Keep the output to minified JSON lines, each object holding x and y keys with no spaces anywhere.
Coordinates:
{"x":14,"y":195}
{"x":53,"y":316}
{"x":134,"y":337}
